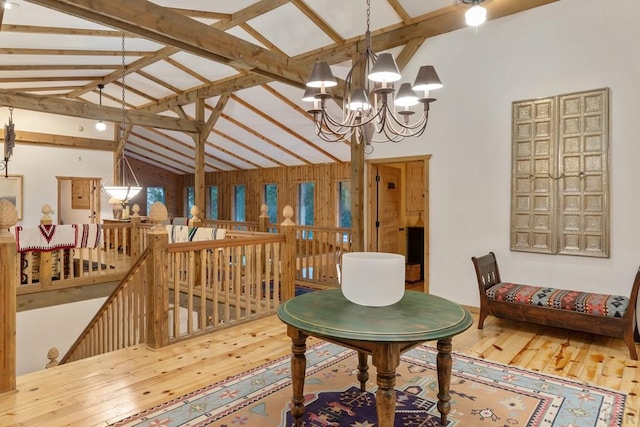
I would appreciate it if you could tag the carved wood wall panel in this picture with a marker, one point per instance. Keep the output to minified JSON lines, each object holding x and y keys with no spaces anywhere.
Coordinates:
{"x":559,"y":200}
{"x":533,"y":223}
{"x":583,"y":148}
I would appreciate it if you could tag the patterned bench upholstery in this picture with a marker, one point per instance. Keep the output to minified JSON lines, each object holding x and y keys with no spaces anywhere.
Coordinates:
{"x":583,"y":302}
{"x":609,"y":315}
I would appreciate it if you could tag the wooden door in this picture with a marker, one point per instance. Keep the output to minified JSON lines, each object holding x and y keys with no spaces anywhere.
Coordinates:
{"x":385,"y":215}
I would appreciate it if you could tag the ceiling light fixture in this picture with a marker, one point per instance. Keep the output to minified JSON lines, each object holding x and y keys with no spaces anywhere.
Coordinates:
{"x":101,"y":126}
{"x":9,"y":5}
{"x":124,"y":190}
{"x":476,"y":14}
{"x":368,"y":103}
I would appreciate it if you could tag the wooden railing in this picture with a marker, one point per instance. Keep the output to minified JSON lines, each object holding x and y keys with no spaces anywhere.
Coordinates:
{"x":216,"y":284}
{"x":172,"y":292}
{"x":177,"y":291}
{"x":121,"y":321}
{"x":120,"y":246}
{"x":318,"y":252}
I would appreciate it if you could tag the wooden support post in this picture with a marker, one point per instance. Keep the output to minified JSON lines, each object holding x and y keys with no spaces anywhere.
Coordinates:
{"x":136,"y":232}
{"x":200,"y":142}
{"x":158,"y":286}
{"x":8,"y":283}
{"x":288,"y":255}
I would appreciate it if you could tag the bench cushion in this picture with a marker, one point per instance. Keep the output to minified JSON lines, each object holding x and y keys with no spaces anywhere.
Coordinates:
{"x":583,"y":302}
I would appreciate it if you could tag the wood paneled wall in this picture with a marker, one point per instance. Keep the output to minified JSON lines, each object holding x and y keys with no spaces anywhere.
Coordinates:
{"x":153,"y":176}
{"x":325,"y":176}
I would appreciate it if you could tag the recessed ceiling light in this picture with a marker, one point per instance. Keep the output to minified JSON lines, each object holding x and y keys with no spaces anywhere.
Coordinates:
{"x":10,"y":5}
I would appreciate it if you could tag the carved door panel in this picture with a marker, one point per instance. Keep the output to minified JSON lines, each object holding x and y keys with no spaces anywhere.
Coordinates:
{"x":387,"y":209}
{"x":533,"y":170}
{"x":559,"y":190}
{"x":583,"y":150}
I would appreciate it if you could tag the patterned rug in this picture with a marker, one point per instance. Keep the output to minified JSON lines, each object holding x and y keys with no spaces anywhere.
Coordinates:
{"x":482,"y":394}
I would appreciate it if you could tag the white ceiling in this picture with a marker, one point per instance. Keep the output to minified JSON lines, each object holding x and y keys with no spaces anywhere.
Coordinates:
{"x":47,"y":52}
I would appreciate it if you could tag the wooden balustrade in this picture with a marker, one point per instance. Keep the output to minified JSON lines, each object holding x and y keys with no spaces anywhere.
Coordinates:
{"x":173,"y":292}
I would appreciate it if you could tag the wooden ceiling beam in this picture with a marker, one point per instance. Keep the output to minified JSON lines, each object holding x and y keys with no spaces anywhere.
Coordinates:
{"x":245,"y":146}
{"x":164,"y":26}
{"x":425,"y":26}
{"x":261,"y":136}
{"x":72,"y":52}
{"x":23,"y":137}
{"x":86,"y":110}
{"x":279,"y":125}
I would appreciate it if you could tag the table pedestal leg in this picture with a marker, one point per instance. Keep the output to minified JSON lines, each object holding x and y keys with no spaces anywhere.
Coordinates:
{"x":386,"y":358}
{"x":363,"y":370}
{"x":298,"y":368}
{"x":443,"y":365}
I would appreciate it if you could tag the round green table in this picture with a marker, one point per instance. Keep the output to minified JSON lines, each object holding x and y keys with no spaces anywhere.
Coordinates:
{"x":382,"y":332}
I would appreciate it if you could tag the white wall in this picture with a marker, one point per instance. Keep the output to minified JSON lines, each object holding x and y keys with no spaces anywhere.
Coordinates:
{"x":58,"y":326}
{"x":567,"y":46}
{"x":40,"y":165}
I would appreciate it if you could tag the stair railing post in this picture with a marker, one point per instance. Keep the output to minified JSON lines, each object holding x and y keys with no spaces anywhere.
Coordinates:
{"x":289,"y":254}
{"x":158,"y":280}
{"x":8,"y":283}
{"x":136,"y":232}
{"x":45,"y":268}
{"x":263,"y":219}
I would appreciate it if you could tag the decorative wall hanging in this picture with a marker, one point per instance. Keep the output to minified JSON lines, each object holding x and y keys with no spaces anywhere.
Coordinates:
{"x":560,"y":174}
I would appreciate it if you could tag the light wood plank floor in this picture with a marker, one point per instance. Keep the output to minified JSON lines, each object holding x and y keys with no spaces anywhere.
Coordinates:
{"x":107,"y":388}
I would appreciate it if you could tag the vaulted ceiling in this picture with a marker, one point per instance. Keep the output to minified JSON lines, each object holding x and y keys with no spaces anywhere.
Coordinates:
{"x":247,"y":59}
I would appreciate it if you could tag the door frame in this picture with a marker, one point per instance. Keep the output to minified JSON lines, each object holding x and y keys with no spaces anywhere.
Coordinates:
{"x":94,"y":196}
{"x":370,"y":196}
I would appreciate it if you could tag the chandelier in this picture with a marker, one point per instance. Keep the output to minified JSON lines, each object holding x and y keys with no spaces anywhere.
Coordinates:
{"x":126,"y":189}
{"x":371,"y":109}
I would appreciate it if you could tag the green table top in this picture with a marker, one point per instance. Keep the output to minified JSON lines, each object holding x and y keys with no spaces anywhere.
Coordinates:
{"x":416,"y":317}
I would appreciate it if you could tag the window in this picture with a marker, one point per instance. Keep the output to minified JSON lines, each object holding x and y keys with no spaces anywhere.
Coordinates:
{"x":191,"y":199}
{"x":306,"y":203}
{"x":271,"y":200}
{"x":344,"y":204}
{"x":213,"y":202}
{"x":154,"y":194}
{"x":239,"y":202}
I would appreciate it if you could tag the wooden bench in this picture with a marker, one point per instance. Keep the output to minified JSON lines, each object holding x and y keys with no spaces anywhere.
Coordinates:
{"x":609,"y":315}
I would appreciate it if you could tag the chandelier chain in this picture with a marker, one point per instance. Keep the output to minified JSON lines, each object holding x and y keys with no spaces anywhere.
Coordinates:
{"x":124,"y":117}
{"x":368,"y":14}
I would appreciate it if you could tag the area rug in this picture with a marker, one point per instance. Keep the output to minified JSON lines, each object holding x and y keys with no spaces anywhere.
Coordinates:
{"x":482,"y":394}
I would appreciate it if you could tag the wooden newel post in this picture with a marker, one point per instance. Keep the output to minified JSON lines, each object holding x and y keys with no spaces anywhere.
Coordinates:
{"x":45,"y":257}
{"x":195,"y":220}
{"x":158,"y":286}
{"x":263,"y":220}
{"x":136,"y":232}
{"x":288,"y":255}
{"x":8,"y":283}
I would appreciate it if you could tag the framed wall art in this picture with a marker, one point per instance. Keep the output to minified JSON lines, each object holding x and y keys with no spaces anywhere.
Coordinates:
{"x":11,"y":189}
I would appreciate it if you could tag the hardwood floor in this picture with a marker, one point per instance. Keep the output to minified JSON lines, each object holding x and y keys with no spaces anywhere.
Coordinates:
{"x":107,"y":388}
